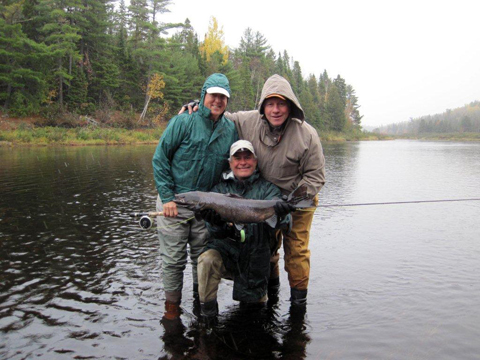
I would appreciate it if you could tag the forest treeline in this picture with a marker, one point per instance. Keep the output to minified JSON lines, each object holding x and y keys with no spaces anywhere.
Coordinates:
{"x":464,"y":119}
{"x":64,"y":59}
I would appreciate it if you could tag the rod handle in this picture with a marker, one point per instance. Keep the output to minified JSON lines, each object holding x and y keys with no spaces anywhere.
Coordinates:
{"x":139,"y":214}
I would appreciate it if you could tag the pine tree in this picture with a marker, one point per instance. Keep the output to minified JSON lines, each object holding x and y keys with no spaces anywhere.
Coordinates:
{"x":61,"y":36}
{"x":342,"y":88}
{"x":352,"y":112}
{"x":253,"y":59}
{"x":314,"y":113}
{"x":23,"y":85}
{"x":334,"y":110}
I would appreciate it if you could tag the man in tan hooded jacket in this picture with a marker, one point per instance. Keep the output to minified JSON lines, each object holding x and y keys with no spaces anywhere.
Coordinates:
{"x":289,"y":154}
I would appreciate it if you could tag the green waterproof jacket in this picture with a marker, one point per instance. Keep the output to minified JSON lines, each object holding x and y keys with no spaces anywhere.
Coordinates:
{"x":248,"y":261}
{"x":193,"y":150}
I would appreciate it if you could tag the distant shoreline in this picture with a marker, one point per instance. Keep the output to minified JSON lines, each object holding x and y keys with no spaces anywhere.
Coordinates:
{"x":27,"y":134}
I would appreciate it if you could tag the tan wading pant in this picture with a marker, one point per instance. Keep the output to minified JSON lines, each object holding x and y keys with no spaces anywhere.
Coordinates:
{"x":295,"y":245}
{"x":174,"y":235}
{"x":210,"y":272}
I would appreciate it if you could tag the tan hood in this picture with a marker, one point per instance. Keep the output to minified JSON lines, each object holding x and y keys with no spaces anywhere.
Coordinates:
{"x":276,"y":84}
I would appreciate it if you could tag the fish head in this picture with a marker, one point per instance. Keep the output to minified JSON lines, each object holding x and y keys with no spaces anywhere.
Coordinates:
{"x":191,"y":200}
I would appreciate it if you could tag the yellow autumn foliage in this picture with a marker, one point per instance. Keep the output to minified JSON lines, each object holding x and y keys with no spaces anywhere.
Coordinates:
{"x":155,"y":86}
{"x":214,"y":41}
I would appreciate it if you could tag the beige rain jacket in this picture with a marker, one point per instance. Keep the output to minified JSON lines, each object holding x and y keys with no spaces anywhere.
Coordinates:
{"x":290,"y":158}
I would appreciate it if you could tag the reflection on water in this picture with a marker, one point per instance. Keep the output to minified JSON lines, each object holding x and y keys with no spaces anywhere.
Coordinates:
{"x":79,"y":279}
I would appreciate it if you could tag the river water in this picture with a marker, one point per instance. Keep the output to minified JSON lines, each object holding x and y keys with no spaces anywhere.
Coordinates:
{"x":389,"y":279}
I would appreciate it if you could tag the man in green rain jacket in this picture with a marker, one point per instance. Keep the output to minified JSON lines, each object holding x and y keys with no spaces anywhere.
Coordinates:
{"x":191,"y":155}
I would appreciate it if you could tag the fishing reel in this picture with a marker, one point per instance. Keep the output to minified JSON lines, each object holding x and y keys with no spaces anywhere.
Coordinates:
{"x":145,"y":222}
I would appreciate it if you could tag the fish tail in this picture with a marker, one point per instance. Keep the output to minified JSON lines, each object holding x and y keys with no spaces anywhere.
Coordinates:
{"x":299,"y":197}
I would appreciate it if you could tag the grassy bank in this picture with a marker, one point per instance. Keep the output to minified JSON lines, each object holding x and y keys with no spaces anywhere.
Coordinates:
{"x":43,"y":136}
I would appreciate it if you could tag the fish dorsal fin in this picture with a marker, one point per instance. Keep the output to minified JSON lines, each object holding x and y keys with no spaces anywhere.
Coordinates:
{"x":234,"y":196}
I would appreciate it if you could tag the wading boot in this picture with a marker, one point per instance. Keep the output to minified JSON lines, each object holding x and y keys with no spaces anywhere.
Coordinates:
{"x":172,"y":310}
{"x":273,"y":290}
{"x":298,"y":297}
{"x":209,"y":312}
{"x":273,"y":285}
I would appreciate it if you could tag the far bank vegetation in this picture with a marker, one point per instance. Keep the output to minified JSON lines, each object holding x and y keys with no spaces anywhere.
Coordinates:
{"x":107,"y":64}
{"x":462,"y":123}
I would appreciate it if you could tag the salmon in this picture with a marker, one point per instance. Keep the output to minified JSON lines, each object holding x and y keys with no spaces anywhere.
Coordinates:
{"x":239,"y":210}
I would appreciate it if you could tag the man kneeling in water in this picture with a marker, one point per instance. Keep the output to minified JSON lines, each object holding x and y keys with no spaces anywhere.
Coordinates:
{"x":239,"y":254}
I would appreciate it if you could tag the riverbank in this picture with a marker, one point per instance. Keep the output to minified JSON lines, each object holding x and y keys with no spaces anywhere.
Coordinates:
{"x":93,"y":135}
{"x":28,"y":132}
{"x":89,"y":135}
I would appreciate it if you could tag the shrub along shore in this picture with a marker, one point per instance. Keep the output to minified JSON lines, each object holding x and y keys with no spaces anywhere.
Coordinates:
{"x":26,"y":134}
{"x":47,"y":136}
{"x":33,"y":132}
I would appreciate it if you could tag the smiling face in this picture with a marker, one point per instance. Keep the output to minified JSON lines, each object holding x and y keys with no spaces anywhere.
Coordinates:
{"x":243,"y":164}
{"x":276,"y":110}
{"x":217,"y":103}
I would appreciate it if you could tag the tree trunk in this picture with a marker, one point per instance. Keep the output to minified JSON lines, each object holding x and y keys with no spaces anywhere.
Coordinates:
{"x":60,"y":86}
{"x":7,"y":100}
{"x":144,"y":112}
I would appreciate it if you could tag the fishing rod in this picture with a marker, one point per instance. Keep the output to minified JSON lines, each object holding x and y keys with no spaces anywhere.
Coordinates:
{"x":146,"y":221}
{"x":396,"y":202}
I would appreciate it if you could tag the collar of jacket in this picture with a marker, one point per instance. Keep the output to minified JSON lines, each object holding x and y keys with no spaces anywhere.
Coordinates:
{"x":242,"y":185}
{"x":272,"y":137}
{"x":205,"y":113}
{"x":210,"y":123}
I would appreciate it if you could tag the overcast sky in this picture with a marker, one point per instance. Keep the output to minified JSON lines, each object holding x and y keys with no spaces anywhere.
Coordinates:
{"x":404,"y":58}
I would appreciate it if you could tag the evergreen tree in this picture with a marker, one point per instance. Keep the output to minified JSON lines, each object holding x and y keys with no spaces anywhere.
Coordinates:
{"x":255,"y":66}
{"x":183,"y":79}
{"x":315,"y":117}
{"x":334,"y":109}
{"x":87,"y":53}
{"x":297,"y":78}
{"x":342,"y":89}
{"x":352,"y":112}
{"x":97,"y":50}
{"x":22,"y":82}
{"x":32,"y":22}
{"x":61,"y":36}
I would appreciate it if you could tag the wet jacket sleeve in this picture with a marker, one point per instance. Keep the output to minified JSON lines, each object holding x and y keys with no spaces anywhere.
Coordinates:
{"x":163,"y":157}
{"x":240,"y":117}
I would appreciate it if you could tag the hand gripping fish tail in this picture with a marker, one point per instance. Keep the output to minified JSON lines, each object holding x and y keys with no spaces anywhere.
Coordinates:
{"x":299,"y":198}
